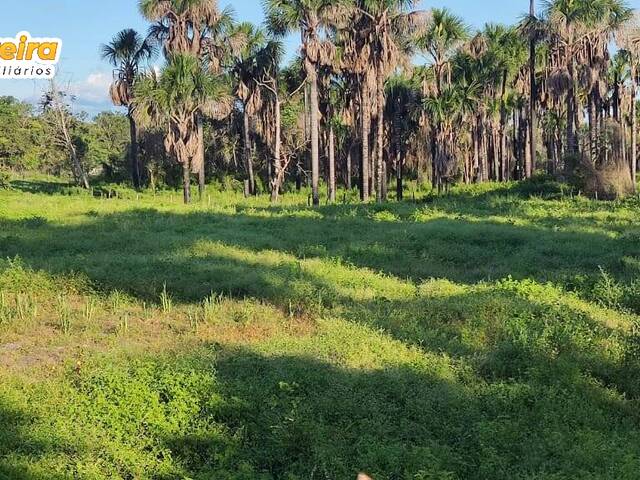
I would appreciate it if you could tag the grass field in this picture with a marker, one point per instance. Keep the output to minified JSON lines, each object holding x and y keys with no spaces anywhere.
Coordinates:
{"x":489,"y":334}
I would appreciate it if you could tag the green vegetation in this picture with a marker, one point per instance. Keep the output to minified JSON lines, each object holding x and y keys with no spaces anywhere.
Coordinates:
{"x":489,"y":333}
{"x":27,"y":142}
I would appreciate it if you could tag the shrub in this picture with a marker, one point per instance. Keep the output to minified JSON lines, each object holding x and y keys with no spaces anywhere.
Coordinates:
{"x":609,"y":182}
{"x":541,"y":185}
{"x":601,"y":175}
{"x":607,"y":291}
{"x":5,"y":180}
{"x":632,"y":297}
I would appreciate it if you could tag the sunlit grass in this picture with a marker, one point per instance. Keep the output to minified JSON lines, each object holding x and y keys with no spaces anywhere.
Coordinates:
{"x":491,"y":333}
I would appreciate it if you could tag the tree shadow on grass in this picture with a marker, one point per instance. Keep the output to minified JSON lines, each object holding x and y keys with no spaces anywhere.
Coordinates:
{"x":19,"y":449}
{"x":330,"y":265}
{"x":42,"y":187}
{"x":200,"y":254}
{"x":300,"y":417}
{"x":311,"y":416}
{"x":137,"y":251}
{"x":513,"y":389}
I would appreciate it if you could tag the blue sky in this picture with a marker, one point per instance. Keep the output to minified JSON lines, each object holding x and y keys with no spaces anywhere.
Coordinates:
{"x":84,"y":24}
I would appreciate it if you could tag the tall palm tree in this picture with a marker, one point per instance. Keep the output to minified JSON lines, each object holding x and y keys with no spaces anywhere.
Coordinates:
{"x":533,"y":90}
{"x":173,"y":100}
{"x":629,"y":41}
{"x":565,"y":19}
{"x":579,"y":34}
{"x":448,"y":110}
{"x":355,"y":44}
{"x":507,"y":49}
{"x":446,"y":33}
{"x":126,"y":52}
{"x":441,"y":41}
{"x":386,"y":28}
{"x":183,"y":26}
{"x":402,"y":109}
{"x":196,"y":28}
{"x":310,"y":17}
{"x":254,"y":70}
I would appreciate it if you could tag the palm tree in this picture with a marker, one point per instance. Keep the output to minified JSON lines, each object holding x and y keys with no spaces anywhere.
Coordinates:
{"x":449,"y":111}
{"x":196,"y":28}
{"x":564,"y":19}
{"x":507,"y":50}
{"x":579,"y":34}
{"x":402,"y":110}
{"x":629,"y":41}
{"x":532,"y":97}
{"x":173,"y":100}
{"x":331,"y":99}
{"x":310,"y":17}
{"x":532,"y":28}
{"x":183,"y":26}
{"x":386,"y":28}
{"x":126,"y":52}
{"x":254,"y":71}
{"x":441,"y":41}
{"x":446,"y":33}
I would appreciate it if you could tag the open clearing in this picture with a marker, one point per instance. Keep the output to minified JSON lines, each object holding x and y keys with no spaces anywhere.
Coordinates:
{"x":488,"y":334}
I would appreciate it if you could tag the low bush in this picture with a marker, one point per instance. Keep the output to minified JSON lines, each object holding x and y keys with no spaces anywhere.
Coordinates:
{"x":606,"y":177}
{"x":5,"y":180}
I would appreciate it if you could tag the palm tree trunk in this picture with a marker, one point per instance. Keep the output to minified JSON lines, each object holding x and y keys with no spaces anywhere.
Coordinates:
{"x":560,"y":151}
{"x":133,"y":150}
{"x":624,"y":144}
{"x":399,"y":176}
{"x":186,"y":181}
{"x":247,"y":151}
{"x":473,"y":174}
{"x":366,"y":128}
{"x":315,"y":134}
{"x":496,"y":157}
{"x":277,"y":160}
{"x":530,"y":165}
{"x":380,"y":190}
{"x":482,"y":151}
{"x":435,"y":177}
{"x":397,"y":143}
{"x":348,"y":168}
{"x":200,"y":158}
{"x":572,"y":146}
{"x":503,"y":130}
{"x":634,"y":127}
{"x":528,"y":160}
{"x":616,"y":99}
{"x":591,"y":111}
{"x":332,"y":165}
{"x":385,"y":182}
{"x":550,"y":154}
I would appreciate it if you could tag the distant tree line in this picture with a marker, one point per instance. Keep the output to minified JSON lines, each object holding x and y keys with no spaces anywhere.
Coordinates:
{"x":554,"y":94}
{"x":30,"y":140}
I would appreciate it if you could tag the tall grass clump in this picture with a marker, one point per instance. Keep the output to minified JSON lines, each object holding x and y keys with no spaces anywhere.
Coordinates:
{"x":166,"y":302}
{"x":65,"y":314}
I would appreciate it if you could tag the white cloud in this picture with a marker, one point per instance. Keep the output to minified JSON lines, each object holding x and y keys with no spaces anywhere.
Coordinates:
{"x":95,"y":88}
{"x":92,"y":93}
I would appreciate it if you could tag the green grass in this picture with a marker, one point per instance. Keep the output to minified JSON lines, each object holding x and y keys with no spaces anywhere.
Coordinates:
{"x":489,"y":334}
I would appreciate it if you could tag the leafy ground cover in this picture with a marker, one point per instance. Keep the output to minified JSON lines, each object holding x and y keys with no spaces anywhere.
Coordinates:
{"x":489,"y":333}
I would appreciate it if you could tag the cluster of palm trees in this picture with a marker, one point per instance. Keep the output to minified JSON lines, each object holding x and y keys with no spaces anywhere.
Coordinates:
{"x":380,"y":89}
